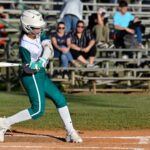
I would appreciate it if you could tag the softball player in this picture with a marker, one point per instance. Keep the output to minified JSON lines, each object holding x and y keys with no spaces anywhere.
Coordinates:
{"x":35,"y":50}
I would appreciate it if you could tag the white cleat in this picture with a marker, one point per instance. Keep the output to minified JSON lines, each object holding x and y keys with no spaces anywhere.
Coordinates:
{"x":74,"y":137}
{"x":2,"y":133}
{"x":3,"y":129}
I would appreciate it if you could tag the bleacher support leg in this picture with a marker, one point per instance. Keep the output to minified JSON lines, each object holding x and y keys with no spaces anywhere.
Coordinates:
{"x":94,"y":86}
{"x":148,"y":90}
{"x":72,"y":77}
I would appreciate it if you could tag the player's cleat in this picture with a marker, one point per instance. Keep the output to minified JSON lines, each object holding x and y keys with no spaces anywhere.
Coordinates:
{"x":2,"y":133}
{"x":3,"y":129}
{"x":74,"y":137}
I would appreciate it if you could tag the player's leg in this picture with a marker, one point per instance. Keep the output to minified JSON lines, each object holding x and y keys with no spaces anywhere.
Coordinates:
{"x":36,"y":95}
{"x":5,"y":123}
{"x":37,"y":99}
{"x":60,"y":102}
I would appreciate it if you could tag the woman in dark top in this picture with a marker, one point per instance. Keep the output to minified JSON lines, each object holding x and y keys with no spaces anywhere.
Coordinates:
{"x":83,"y":45}
{"x":61,"y":42}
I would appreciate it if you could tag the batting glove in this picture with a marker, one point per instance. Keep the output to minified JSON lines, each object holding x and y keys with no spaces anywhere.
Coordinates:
{"x":34,"y":66}
{"x":42,"y":62}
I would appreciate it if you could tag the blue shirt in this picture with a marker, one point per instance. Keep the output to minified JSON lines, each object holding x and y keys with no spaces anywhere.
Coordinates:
{"x":122,"y":20}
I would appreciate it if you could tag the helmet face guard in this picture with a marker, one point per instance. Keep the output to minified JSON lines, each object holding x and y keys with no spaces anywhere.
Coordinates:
{"x":31,"y":19}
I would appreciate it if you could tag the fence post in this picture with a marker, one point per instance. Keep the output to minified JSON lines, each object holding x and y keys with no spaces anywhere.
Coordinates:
{"x":94,"y":86}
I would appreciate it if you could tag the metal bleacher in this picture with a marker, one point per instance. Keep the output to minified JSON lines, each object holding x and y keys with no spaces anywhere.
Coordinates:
{"x":114,"y":74}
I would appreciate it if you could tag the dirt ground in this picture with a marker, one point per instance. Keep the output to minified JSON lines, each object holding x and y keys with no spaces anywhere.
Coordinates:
{"x":24,"y":139}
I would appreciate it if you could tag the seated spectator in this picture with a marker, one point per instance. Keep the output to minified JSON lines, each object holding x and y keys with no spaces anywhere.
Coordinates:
{"x":83,"y":45}
{"x":61,"y":42}
{"x":126,"y":24}
{"x":101,"y":29}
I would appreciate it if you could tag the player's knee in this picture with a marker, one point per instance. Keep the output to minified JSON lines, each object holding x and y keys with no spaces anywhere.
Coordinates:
{"x":40,"y":113}
{"x":37,"y":112}
{"x":61,"y":102}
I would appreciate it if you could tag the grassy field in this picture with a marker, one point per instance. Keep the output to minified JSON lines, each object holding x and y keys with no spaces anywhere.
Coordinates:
{"x":89,"y":112}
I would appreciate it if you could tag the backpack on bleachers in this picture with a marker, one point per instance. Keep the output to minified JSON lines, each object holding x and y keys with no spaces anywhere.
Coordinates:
{"x":130,"y":41}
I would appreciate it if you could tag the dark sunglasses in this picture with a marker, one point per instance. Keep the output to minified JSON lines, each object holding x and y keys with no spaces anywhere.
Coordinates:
{"x":61,"y":27}
{"x":80,"y":26}
{"x":34,"y":28}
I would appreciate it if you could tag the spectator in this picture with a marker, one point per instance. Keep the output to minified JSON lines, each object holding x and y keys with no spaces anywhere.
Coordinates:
{"x":71,"y":13}
{"x":83,"y":45}
{"x":125,"y":23}
{"x":61,"y":42}
{"x":101,"y":29}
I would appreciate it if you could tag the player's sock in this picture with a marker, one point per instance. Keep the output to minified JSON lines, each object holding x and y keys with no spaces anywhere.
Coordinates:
{"x":19,"y":117}
{"x":65,"y":116}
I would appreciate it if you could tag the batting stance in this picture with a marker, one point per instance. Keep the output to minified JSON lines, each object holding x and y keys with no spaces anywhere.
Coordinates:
{"x":35,"y":51}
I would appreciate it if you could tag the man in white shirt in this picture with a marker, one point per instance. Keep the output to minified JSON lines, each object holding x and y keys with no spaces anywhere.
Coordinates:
{"x":71,"y":13}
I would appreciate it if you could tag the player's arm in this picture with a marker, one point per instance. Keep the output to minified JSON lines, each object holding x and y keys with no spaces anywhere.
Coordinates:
{"x":48,"y":53}
{"x":28,"y":66}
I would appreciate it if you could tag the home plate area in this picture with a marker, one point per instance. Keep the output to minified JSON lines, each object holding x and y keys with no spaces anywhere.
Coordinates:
{"x":103,"y":140}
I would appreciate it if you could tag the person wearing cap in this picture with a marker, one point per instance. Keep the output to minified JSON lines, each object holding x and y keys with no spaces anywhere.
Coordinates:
{"x":126,"y":23}
{"x":101,"y":29}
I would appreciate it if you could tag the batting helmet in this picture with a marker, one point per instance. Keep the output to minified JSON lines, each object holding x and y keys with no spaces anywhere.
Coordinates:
{"x":31,"y":19}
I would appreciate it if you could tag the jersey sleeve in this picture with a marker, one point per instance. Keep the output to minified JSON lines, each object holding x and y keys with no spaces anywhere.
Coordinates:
{"x":25,"y":55}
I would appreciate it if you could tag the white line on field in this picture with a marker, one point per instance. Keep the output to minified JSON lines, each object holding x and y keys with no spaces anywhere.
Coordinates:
{"x":142,"y":139}
{"x":47,"y":147}
{"x":85,"y":137}
{"x":119,"y":137}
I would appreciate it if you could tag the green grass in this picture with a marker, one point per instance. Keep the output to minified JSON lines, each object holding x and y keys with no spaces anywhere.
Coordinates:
{"x":100,"y":112}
